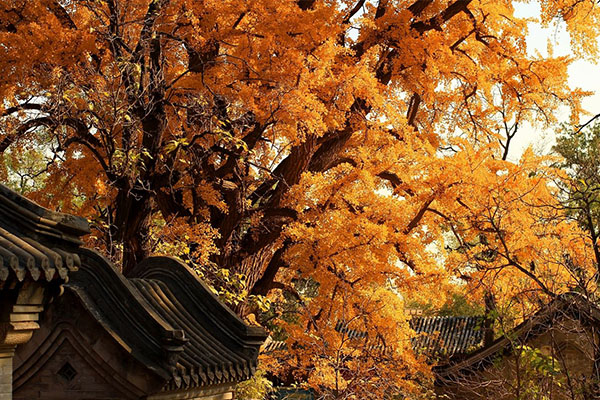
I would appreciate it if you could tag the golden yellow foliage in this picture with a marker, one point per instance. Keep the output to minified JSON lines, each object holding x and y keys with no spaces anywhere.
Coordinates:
{"x":356,"y":146}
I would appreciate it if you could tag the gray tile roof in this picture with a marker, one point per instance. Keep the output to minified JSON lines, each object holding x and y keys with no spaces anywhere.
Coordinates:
{"x":446,"y":336}
{"x":212,"y":354}
{"x":271,"y":345}
{"x":571,"y":306}
{"x":169,"y":321}
{"x":160,"y":314}
{"x":36,"y":243}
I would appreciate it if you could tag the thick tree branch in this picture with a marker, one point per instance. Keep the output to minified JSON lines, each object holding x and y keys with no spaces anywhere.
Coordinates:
{"x":61,"y":14}
{"x":419,"y":6}
{"x":437,"y":21}
{"x":265,"y":283}
{"x":419,"y":215}
{"x":22,"y":107}
{"x":306,"y":4}
{"x":413,"y":108}
{"x":22,"y":130}
{"x":359,"y":4}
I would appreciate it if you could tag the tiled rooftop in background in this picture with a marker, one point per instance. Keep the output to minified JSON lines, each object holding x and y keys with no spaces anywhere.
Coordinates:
{"x":447,"y":335}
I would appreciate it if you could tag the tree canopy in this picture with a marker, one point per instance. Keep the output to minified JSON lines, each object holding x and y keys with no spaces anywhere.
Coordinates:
{"x":349,"y":154}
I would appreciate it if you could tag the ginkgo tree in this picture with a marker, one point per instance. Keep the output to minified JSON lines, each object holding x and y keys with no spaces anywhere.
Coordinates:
{"x":336,"y":141}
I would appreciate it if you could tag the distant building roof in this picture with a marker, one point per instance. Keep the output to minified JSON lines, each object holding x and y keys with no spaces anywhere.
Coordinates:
{"x":271,"y":345}
{"x":446,"y":336}
{"x":567,"y":305}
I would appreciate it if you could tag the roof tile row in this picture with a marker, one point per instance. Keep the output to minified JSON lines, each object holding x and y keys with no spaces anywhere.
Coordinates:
{"x":36,"y":243}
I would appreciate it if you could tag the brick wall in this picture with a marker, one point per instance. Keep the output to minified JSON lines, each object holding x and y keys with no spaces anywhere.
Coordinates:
{"x":57,"y":380}
{"x":5,"y":378}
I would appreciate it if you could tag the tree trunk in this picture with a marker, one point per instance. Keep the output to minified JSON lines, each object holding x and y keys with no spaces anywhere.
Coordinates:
{"x":488,"y":323}
{"x":132,"y":224}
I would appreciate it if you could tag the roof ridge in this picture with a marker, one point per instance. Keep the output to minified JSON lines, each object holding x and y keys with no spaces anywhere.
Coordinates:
{"x":116,"y":303}
{"x":179,"y":277}
{"x":36,"y":242}
{"x":41,"y":220}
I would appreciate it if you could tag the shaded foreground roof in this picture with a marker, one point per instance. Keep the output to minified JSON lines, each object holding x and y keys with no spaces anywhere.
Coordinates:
{"x":181,"y":335}
{"x":168,"y":320}
{"x":36,"y":243}
{"x":446,"y":336}
{"x":220,"y":347}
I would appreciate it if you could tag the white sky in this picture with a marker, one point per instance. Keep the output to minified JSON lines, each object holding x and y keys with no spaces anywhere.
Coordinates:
{"x":582,"y":74}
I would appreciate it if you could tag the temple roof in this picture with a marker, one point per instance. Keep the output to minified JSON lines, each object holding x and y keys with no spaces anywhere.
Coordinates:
{"x":35,"y":242}
{"x":169,"y":321}
{"x":161,"y":314}
{"x":438,"y":336}
{"x":447,"y":335}
{"x":571,"y":305}
{"x":220,"y":347}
